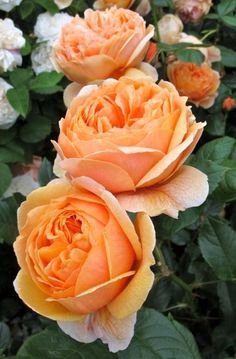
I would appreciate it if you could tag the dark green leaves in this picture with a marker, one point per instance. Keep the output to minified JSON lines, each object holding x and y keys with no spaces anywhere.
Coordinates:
{"x":53,"y":343}
{"x":8,"y":225}
{"x":159,"y":337}
{"x":37,"y":129}
{"x":5,"y":178}
{"x":45,"y":172}
{"x":19,"y":99}
{"x":228,"y":56}
{"x":46,"y":83}
{"x":225,"y":7}
{"x":5,"y":336}
{"x":190,"y":55}
{"x":217,"y":242}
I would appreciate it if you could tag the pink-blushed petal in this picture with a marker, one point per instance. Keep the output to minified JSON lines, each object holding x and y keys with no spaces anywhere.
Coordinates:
{"x":117,"y":333}
{"x":133,"y":160}
{"x":140,"y":51}
{"x":135,"y":293}
{"x":187,"y":188}
{"x":114,"y":206}
{"x":113,"y":177}
{"x":37,"y":300}
{"x":170,"y":163}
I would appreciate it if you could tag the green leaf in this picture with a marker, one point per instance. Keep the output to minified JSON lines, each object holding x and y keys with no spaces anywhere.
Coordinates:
{"x":227,"y":296}
{"x":216,"y":123}
{"x":230,"y":81}
{"x":5,"y":178}
{"x":50,"y":6}
{"x":217,"y":150}
{"x":45,"y":83}
{"x":10,"y":155}
{"x":217,"y":243}
{"x":167,"y":227}
{"x":214,"y":172}
{"x":226,"y":191}
{"x":26,"y":8}
{"x":45,"y":172}
{"x":228,"y":56}
{"x":19,"y":99}
{"x":20,"y":77}
{"x":164,"y":3}
{"x":159,"y":337}
{"x":7,"y":135}
{"x":229,"y":21}
{"x":53,"y":343}
{"x":37,"y":129}
{"x":190,"y":55}
{"x":26,"y":50}
{"x":5,"y":336}
{"x":8,"y":226}
{"x":226,"y":6}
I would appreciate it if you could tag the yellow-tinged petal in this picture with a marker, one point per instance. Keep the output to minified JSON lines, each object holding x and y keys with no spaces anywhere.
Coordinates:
{"x":41,"y":196}
{"x":133,"y":296}
{"x":37,"y":300}
{"x":187,"y":188}
{"x":114,"y":206}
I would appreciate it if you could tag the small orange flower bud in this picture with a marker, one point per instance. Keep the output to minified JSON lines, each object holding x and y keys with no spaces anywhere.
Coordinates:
{"x":228,"y":103}
{"x":151,"y":52}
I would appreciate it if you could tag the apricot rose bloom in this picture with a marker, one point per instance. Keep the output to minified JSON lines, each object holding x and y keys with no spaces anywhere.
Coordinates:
{"x":192,"y":10}
{"x":83,"y":262}
{"x":132,"y":136}
{"x":101,"y":45}
{"x":143,"y":8}
{"x":198,"y":82}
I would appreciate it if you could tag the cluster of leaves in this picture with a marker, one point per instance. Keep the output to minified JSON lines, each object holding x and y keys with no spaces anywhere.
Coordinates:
{"x":195,"y":287}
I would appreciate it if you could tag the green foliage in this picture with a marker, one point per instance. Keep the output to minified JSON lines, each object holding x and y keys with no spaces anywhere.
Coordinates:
{"x":5,"y":178}
{"x":19,"y":99}
{"x":190,"y":55}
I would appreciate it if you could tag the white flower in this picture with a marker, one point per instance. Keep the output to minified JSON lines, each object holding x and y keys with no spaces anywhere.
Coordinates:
{"x":170,"y":27}
{"x":23,"y":184}
{"x":48,"y":27}
{"x":10,"y":36}
{"x":8,"y":5}
{"x":63,"y":3}
{"x":11,"y":41}
{"x":40,"y":58}
{"x":8,"y":115}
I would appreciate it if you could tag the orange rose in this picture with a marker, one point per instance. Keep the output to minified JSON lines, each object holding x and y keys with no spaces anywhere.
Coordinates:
{"x":83,"y":261}
{"x":198,"y":82}
{"x":133,"y":136}
{"x":143,"y":7}
{"x":101,"y":45}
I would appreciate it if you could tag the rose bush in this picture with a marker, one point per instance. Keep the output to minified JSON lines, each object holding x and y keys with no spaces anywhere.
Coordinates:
{"x":80,"y":254}
{"x":101,"y":45}
{"x":133,"y":137}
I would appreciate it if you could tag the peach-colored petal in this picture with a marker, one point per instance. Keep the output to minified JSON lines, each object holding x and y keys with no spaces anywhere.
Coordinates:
{"x":117,"y":333}
{"x":112,"y":203}
{"x":170,"y":161}
{"x":42,"y":196}
{"x":70,"y":92}
{"x":188,"y":188}
{"x":133,"y":296}
{"x":111,"y":176}
{"x":135,"y":161}
{"x":37,"y":300}
{"x":139,"y":52}
{"x":96,"y":297}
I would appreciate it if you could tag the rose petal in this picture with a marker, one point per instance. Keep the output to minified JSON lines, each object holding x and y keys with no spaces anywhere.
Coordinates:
{"x":173,"y":159}
{"x":135,"y":293}
{"x":117,"y":333}
{"x":112,"y":203}
{"x":37,"y":300}
{"x":188,"y":188}
{"x":111,"y":176}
